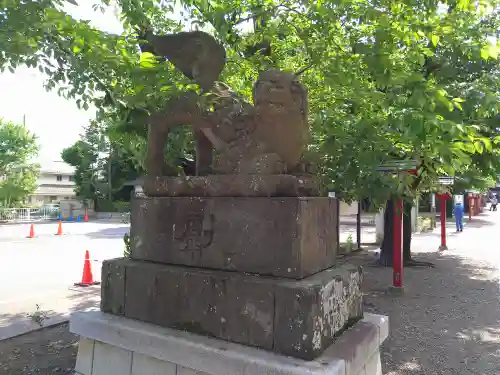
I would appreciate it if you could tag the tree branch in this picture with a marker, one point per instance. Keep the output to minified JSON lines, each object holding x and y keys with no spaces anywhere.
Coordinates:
{"x":70,"y":55}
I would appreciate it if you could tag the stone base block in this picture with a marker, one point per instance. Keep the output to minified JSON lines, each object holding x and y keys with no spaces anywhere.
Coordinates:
{"x":233,"y":185}
{"x":285,"y":237}
{"x":112,"y":345}
{"x":300,"y":318}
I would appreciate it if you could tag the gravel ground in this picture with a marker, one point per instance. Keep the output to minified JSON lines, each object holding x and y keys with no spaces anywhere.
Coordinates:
{"x":50,"y":351}
{"x":448,"y":321}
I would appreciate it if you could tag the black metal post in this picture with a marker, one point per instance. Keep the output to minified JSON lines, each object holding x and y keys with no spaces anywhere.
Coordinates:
{"x":358,"y":225}
{"x":338,"y":220}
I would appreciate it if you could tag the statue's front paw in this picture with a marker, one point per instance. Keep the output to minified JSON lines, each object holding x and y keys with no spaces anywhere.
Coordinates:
{"x":264,"y":164}
{"x":305,"y":167}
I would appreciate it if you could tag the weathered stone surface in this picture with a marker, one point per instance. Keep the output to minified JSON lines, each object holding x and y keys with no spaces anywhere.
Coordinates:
{"x":323,"y":305}
{"x":232,"y":186}
{"x":113,"y":286}
{"x":195,"y":53}
{"x":267,"y":138}
{"x":158,"y":350}
{"x":299,"y":318}
{"x":288,"y":237}
{"x":281,"y":112}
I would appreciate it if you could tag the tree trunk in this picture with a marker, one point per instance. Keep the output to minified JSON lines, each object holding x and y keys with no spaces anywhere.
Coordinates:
{"x":387,"y":247}
{"x":408,"y":206}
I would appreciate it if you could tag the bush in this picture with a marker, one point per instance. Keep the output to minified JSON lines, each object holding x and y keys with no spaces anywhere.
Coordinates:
{"x":103,"y":205}
{"x":122,"y":206}
{"x":126,"y":240}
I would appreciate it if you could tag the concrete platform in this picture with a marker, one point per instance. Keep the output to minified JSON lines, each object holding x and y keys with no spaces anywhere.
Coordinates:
{"x":112,"y":345}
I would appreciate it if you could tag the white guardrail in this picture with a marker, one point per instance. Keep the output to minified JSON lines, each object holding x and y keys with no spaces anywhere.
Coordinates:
{"x":28,"y":214}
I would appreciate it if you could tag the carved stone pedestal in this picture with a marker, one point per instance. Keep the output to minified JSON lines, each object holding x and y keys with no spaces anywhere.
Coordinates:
{"x":112,"y":345}
{"x":299,"y":318}
{"x":291,"y":237}
{"x":258,"y":271}
{"x":232,"y":185}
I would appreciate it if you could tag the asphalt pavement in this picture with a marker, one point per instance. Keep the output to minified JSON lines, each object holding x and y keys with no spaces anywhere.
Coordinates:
{"x":43,"y":270}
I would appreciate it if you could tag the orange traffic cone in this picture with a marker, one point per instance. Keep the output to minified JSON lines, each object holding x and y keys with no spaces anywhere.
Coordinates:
{"x":87,"y":277}
{"x":59,"y":229}
{"x":32,"y":231}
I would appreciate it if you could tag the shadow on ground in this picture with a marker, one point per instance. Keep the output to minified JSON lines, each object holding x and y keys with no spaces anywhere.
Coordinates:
{"x":448,"y":322}
{"x":450,"y":232}
{"x":477,"y":222}
{"x":20,"y":322}
{"x":118,"y":232}
{"x":451,"y":229}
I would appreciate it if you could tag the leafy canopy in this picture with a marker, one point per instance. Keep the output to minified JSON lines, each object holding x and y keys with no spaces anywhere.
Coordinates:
{"x":387,"y":80}
{"x":18,"y":173}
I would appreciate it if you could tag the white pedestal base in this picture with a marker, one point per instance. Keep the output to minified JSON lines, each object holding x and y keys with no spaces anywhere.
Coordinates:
{"x":112,"y":345}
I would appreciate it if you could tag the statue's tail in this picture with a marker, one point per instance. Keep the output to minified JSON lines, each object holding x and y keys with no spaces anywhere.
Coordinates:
{"x":196,"y":54}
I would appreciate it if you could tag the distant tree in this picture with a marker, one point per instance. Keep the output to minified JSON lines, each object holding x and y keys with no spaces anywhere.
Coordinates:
{"x":18,"y":173}
{"x":84,"y":156}
{"x":102,"y":163}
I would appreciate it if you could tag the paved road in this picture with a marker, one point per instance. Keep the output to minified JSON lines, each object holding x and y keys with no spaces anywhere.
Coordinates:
{"x":49,"y":264}
{"x":368,"y":233}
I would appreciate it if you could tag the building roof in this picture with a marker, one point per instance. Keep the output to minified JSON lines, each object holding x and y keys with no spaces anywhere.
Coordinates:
{"x":56,"y":166}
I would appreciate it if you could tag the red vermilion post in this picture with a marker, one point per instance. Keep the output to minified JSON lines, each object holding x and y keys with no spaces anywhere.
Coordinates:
{"x":397,"y":167}
{"x":397,"y":260}
{"x":470,"y":206}
{"x":442,"y":202}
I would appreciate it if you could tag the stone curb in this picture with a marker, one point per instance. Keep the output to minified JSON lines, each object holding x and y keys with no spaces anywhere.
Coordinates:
{"x":20,"y":329}
{"x":59,"y":310}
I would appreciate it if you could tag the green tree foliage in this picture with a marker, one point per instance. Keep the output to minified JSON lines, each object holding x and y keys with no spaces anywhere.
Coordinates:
{"x":102,"y":165}
{"x":406,"y":80}
{"x":18,"y":173}
{"x":84,"y":156}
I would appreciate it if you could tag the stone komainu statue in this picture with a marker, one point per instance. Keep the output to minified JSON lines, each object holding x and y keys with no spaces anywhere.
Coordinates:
{"x":234,"y":137}
{"x":268,"y":137}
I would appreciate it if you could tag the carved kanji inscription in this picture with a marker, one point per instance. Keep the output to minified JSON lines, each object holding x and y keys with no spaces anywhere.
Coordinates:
{"x":195,"y":232}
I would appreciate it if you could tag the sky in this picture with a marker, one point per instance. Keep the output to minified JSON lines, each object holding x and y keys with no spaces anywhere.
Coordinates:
{"x":57,"y":122}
